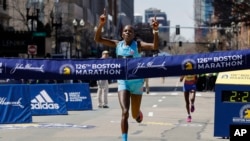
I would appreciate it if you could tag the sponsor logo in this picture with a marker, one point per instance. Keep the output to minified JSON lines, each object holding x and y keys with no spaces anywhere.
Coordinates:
{"x":1,"y":67}
{"x":150,"y":64}
{"x":67,"y":69}
{"x":225,"y":76}
{"x":74,"y":97}
{"x":43,"y":101}
{"x":26,"y":67}
{"x":3,"y":101}
{"x":188,"y":64}
{"x":244,"y":114}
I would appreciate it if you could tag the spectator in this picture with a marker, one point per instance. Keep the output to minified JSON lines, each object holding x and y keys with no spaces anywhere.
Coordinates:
{"x":103,"y":88}
{"x":146,"y":82}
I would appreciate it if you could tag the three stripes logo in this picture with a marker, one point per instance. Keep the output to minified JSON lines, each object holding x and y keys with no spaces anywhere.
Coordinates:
{"x":43,"y":101}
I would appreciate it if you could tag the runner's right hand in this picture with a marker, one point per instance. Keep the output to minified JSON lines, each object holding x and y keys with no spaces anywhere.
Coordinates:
{"x":103,"y":17}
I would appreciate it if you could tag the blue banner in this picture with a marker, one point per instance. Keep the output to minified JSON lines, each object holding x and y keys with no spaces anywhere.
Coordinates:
{"x":77,"y":96}
{"x":47,"y":99}
{"x":85,"y":69}
{"x":188,"y":64}
{"x":15,"y":104}
{"x":130,"y":68}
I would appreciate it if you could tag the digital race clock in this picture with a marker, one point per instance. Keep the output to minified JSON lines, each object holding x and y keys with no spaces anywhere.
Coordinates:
{"x":232,"y":101}
{"x":235,"y":96}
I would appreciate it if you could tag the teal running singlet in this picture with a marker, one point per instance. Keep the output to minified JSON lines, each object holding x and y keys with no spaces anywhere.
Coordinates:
{"x":135,"y":86}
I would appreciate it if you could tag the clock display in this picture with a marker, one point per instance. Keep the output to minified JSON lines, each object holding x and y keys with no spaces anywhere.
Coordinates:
{"x":235,"y":96}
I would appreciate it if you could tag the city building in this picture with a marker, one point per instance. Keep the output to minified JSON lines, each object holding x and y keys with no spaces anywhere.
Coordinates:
{"x":203,"y":11}
{"x":161,"y":17}
{"x":23,"y":26}
{"x":49,"y":25}
{"x":138,"y":18}
{"x":4,"y":15}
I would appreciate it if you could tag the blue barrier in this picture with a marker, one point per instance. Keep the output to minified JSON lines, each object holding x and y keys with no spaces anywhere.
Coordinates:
{"x":47,"y":99}
{"x":19,"y":102}
{"x":77,"y":96}
{"x":15,"y":104}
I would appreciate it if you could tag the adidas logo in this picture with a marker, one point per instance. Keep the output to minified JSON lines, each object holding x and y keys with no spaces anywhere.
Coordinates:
{"x":43,"y":101}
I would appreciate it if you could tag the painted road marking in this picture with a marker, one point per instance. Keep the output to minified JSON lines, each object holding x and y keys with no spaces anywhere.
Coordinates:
{"x":156,"y":93}
{"x":173,"y":124}
{"x":150,"y":114}
{"x":191,"y":125}
{"x":174,"y":93}
{"x":163,"y":123}
{"x":160,"y":100}
{"x":159,"y":123}
{"x":152,"y":93}
{"x":44,"y":125}
{"x":154,"y":106}
{"x":198,"y":94}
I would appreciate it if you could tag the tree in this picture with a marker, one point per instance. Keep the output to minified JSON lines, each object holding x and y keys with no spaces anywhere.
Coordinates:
{"x":18,"y":11}
{"x":228,"y":11}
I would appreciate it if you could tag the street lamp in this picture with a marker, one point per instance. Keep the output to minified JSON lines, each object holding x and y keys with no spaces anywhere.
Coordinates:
{"x":33,"y":17}
{"x":32,"y":21}
{"x":81,"y":23}
{"x":236,"y":31}
{"x":76,"y":24}
{"x":57,"y":24}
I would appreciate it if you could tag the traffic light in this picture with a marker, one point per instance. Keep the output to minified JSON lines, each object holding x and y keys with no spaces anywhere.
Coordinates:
{"x":177,"y":32}
{"x":180,"y":43}
{"x":164,"y":43}
{"x":4,"y":5}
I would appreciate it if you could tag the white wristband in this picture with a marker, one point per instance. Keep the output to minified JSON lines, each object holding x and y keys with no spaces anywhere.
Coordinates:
{"x":155,"y":31}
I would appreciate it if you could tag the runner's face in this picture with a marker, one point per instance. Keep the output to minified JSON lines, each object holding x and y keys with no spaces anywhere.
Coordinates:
{"x":128,"y":33}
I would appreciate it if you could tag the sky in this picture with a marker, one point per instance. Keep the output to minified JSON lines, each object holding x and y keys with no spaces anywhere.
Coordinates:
{"x":179,"y":12}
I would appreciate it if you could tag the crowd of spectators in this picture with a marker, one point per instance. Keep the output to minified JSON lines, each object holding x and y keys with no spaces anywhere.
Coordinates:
{"x":206,"y":82}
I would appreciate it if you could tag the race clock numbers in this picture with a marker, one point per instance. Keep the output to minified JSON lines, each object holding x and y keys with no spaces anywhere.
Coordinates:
{"x":235,"y":96}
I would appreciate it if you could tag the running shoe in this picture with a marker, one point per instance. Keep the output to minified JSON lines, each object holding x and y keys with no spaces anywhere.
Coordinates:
{"x":139,"y":118}
{"x":105,"y":106}
{"x":192,"y":108}
{"x":189,"y":119}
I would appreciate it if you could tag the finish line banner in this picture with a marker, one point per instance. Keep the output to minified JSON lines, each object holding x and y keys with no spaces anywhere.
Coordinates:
{"x":188,"y":64}
{"x":78,"y":69}
{"x":99,"y":69}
